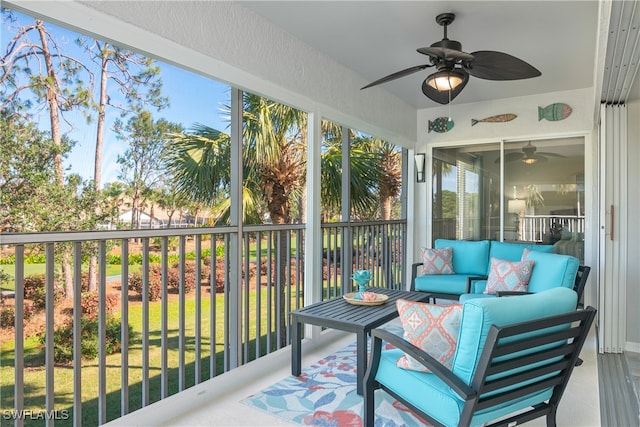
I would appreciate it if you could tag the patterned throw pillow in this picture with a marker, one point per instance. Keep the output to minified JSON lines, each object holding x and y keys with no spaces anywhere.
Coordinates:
{"x":508,"y":275}
{"x":432,"y":328}
{"x":437,"y":261}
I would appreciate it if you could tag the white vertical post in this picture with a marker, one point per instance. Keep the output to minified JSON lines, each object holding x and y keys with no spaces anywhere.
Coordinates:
{"x":313,"y":232}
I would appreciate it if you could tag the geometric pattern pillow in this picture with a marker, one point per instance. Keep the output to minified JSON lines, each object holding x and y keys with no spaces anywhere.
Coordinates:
{"x":508,"y":275}
{"x":437,"y":261}
{"x":432,"y":328}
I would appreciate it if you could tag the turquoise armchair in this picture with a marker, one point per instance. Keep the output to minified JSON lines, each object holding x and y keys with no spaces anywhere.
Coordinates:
{"x":510,"y":364}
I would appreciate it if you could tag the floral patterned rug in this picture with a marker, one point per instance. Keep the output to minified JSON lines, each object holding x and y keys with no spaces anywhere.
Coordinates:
{"x":325,"y":395}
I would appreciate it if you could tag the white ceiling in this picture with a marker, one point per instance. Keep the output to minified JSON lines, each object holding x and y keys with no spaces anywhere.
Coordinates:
{"x":377,"y":38}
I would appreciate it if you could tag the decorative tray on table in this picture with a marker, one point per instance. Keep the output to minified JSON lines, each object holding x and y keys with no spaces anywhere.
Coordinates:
{"x":379,"y":299}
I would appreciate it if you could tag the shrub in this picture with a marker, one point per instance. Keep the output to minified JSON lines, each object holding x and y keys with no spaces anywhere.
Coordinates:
{"x":7,"y":315}
{"x":90,"y":304}
{"x":114,"y":259}
{"x":173,"y":278}
{"x":135,"y":285}
{"x":35,"y":291}
{"x":63,"y":339}
{"x":190,"y":280}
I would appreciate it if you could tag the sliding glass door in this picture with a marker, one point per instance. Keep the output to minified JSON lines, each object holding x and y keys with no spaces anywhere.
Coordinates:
{"x":530,"y":191}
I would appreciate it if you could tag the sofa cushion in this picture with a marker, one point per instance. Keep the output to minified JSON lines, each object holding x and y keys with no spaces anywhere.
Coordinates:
{"x":551,"y":270}
{"x":430,"y":327}
{"x":437,"y":261}
{"x":508,"y":275}
{"x":469,"y":257}
{"x":443,"y":283}
{"x":512,"y":251}
{"x":479,"y":314}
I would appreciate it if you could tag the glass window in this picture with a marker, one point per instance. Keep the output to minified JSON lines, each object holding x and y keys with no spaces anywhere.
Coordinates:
{"x":543,"y":193}
{"x":466,"y":192}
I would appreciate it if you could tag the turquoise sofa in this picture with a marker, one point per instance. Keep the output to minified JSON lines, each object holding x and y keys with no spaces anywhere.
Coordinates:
{"x":471,"y":264}
{"x":489,"y":378}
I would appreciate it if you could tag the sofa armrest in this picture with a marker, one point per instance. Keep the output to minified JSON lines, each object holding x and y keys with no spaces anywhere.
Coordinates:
{"x":414,"y":274}
{"x":471,"y":279}
{"x":511,"y":293}
{"x":378,"y":335}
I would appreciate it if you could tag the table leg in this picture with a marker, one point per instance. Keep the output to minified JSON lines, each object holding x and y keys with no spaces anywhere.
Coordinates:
{"x":361,"y":359}
{"x":296,"y":348}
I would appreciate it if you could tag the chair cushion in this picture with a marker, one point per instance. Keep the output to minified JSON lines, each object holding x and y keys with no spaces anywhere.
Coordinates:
{"x":428,"y":392}
{"x":551,"y":270}
{"x":469,"y":257}
{"x":437,"y":261}
{"x":432,"y":328}
{"x":508,"y":275}
{"x":478,"y":314}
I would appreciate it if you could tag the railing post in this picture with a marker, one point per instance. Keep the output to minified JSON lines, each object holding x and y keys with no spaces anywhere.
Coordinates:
{"x":49,"y":313}
{"x":77,"y":334}
{"x":234,"y":314}
{"x":19,"y":334}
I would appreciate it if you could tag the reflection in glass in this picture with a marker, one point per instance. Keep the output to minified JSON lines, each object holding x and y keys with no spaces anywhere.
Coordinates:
{"x":543,"y":193}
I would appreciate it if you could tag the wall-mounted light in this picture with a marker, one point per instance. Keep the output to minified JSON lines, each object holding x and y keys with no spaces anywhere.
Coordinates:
{"x":419,"y":158}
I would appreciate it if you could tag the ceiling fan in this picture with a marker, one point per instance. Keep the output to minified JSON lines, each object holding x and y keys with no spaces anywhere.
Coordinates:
{"x":453,"y":67}
{"x":529,"y":155}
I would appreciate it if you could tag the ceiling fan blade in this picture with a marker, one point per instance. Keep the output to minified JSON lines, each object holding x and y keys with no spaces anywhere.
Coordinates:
{"x":445,"y":53}
{"x":511,"y":157}
{"x":444,"y":97}
{"x":398,"y":74}
{"x":492,"y":65}
{"x":550,"y":154}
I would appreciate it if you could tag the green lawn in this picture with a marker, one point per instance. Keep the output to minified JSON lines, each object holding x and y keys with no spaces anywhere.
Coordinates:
{"x":35,"y":373}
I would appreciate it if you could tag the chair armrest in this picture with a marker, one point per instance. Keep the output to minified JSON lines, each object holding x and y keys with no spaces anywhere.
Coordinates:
{"x":414,"y":274}
{"x":471,"y":279}
{"x":511,"y":293}
{"x":438,"y":369}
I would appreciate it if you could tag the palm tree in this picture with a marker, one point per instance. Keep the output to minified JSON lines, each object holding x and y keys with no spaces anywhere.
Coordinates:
{"x":274,"y":149}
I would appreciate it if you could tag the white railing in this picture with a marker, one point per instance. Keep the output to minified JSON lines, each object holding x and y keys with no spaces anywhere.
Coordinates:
{"x":184,"y":332}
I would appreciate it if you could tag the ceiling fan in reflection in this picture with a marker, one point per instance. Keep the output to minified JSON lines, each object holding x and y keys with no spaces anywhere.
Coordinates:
{"x":529,"y":155}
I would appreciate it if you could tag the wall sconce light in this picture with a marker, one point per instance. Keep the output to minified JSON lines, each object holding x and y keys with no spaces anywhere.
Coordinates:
{"x":419,"y":158}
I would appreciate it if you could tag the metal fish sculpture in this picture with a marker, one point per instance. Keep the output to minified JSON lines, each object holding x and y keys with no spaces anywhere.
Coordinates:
{"x":554,"y":112}
{"x":441,"y":125}
{"x":500,"y":118}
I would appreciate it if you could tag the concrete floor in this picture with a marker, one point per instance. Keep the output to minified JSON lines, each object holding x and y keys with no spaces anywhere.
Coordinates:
{"x":217,"y":402}
{"x":633,"y":362}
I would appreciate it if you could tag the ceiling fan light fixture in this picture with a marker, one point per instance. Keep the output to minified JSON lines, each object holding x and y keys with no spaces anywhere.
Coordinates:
{"x":529,"y":160}
{"x":445,"y":80}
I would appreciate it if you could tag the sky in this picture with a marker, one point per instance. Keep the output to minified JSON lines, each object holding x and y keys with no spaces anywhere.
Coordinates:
{"x":192,"y":98}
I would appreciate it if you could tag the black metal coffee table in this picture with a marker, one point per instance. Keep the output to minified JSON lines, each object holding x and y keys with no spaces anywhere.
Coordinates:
{"x":359,"y":319}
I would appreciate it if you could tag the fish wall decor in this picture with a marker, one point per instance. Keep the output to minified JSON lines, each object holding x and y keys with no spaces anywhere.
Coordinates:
{"x":441,"y":125}
{"x":554,"y":112}
{"x":500,"y":118}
